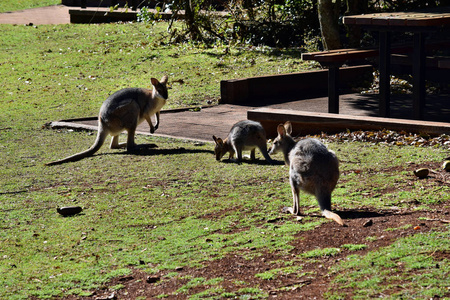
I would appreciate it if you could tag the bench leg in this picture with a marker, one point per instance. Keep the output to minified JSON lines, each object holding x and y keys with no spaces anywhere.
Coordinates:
{"x":419,"y":92}
{"x":333,"y":89}
{"x":385,"y":74}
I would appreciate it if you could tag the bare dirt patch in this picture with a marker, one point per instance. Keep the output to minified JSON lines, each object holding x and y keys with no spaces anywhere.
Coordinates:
{"x":381,"y":227}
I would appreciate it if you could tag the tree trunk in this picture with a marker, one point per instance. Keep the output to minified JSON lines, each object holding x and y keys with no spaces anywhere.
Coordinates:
{"x":355,"y":7}
{"x":191,"y":22}
{"x":328,"y":19}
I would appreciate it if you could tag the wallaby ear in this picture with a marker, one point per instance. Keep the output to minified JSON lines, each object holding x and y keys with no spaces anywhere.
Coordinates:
{"x":288,"y":127}
{"x":154,"y":81}
{"x":281,"y":130}
{"x":164,"y":79}
{"x":217,"y":140}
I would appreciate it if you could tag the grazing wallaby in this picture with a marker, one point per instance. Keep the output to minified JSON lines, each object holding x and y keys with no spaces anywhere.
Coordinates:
{"x":244,"y":135}
{"x":125,"y":110}
{"x":312,"y":168}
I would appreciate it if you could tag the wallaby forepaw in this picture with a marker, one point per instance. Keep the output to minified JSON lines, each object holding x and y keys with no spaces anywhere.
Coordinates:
{"x":153,"y":129}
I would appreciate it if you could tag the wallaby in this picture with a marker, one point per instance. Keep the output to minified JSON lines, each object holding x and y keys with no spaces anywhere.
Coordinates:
{"x":125,"y":110}
{"x":244,"y":136}
{"x":312,"y":168}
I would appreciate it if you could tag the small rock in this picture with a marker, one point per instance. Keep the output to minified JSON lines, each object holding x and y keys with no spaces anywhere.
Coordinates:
{"x":368,"y":223}
{"x":153,"y":279}
{"x":110,"y":297}
{"x":126,"y":278}
{"x":274,"y":220}
{"x":69,"y":210}
{"x":421,"y":173}
{"x":446,"y":165}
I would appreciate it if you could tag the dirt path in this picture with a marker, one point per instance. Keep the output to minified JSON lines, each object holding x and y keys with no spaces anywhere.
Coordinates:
{"x":58,"y":14}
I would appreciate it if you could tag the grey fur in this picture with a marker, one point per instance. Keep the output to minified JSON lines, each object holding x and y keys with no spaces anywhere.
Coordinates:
{"x":245,"y":135}
{"x":124,"y":111}
{"x":312,"y":168}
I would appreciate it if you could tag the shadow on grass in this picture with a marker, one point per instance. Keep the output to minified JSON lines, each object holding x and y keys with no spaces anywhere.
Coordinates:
{"x":361,"y":214}
{"x":353,"y":214}
{"x":152,"y":149}
{"x":252,"y":162}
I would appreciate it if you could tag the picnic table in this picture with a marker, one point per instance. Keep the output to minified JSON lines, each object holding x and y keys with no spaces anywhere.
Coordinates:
{"x":420,"y":23}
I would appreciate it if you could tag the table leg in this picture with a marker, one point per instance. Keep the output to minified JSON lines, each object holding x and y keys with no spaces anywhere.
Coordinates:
{"x":385,"y":73}
{"x":333,"y":89}
{"x":419,"y":92}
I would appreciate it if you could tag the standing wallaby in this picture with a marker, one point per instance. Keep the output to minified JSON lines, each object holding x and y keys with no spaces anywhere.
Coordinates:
{"x":312,"y":168}
{"x":125,"y":110}
{"x":244,"y":136}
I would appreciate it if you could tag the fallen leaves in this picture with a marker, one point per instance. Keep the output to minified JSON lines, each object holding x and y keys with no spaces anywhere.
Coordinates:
{"x":389,"y":137}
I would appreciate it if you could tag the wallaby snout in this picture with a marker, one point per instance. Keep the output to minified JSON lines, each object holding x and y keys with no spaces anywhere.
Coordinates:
{"x":220,"y":148}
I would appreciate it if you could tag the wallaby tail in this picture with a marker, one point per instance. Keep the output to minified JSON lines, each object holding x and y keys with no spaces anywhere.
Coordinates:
{"x":266,"y":156}
{"x":101,"y":136}
{"x":332,"y":216}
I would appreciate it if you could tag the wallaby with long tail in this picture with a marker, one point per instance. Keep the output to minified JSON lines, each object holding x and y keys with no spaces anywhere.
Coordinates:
{"x":312,"y":168}
{"x":125,"y":110}
{"x":245,"y":135}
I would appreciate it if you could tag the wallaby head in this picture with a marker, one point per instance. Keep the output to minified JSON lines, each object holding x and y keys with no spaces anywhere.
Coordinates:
{"x":222,"y":147}
{"x":160,"y":87}
{"x":284,"y":141}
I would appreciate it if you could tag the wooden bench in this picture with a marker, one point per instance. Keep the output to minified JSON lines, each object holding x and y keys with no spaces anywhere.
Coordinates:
{"x":444,"y":64}
{"x":333,"y":60}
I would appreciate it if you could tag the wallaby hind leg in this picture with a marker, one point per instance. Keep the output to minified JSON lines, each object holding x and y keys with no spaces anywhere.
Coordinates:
{"x":295,"y":201}
{"x":295,"y":209}
{"x":131,"y":146}
{"x":115,"y":143}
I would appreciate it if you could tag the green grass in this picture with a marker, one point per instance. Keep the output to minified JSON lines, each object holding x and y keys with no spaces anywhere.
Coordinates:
{"x":274,"y":273}
{"x":14,"y":5}
{"x":156,"y":207}
{"x":410,"y":268}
